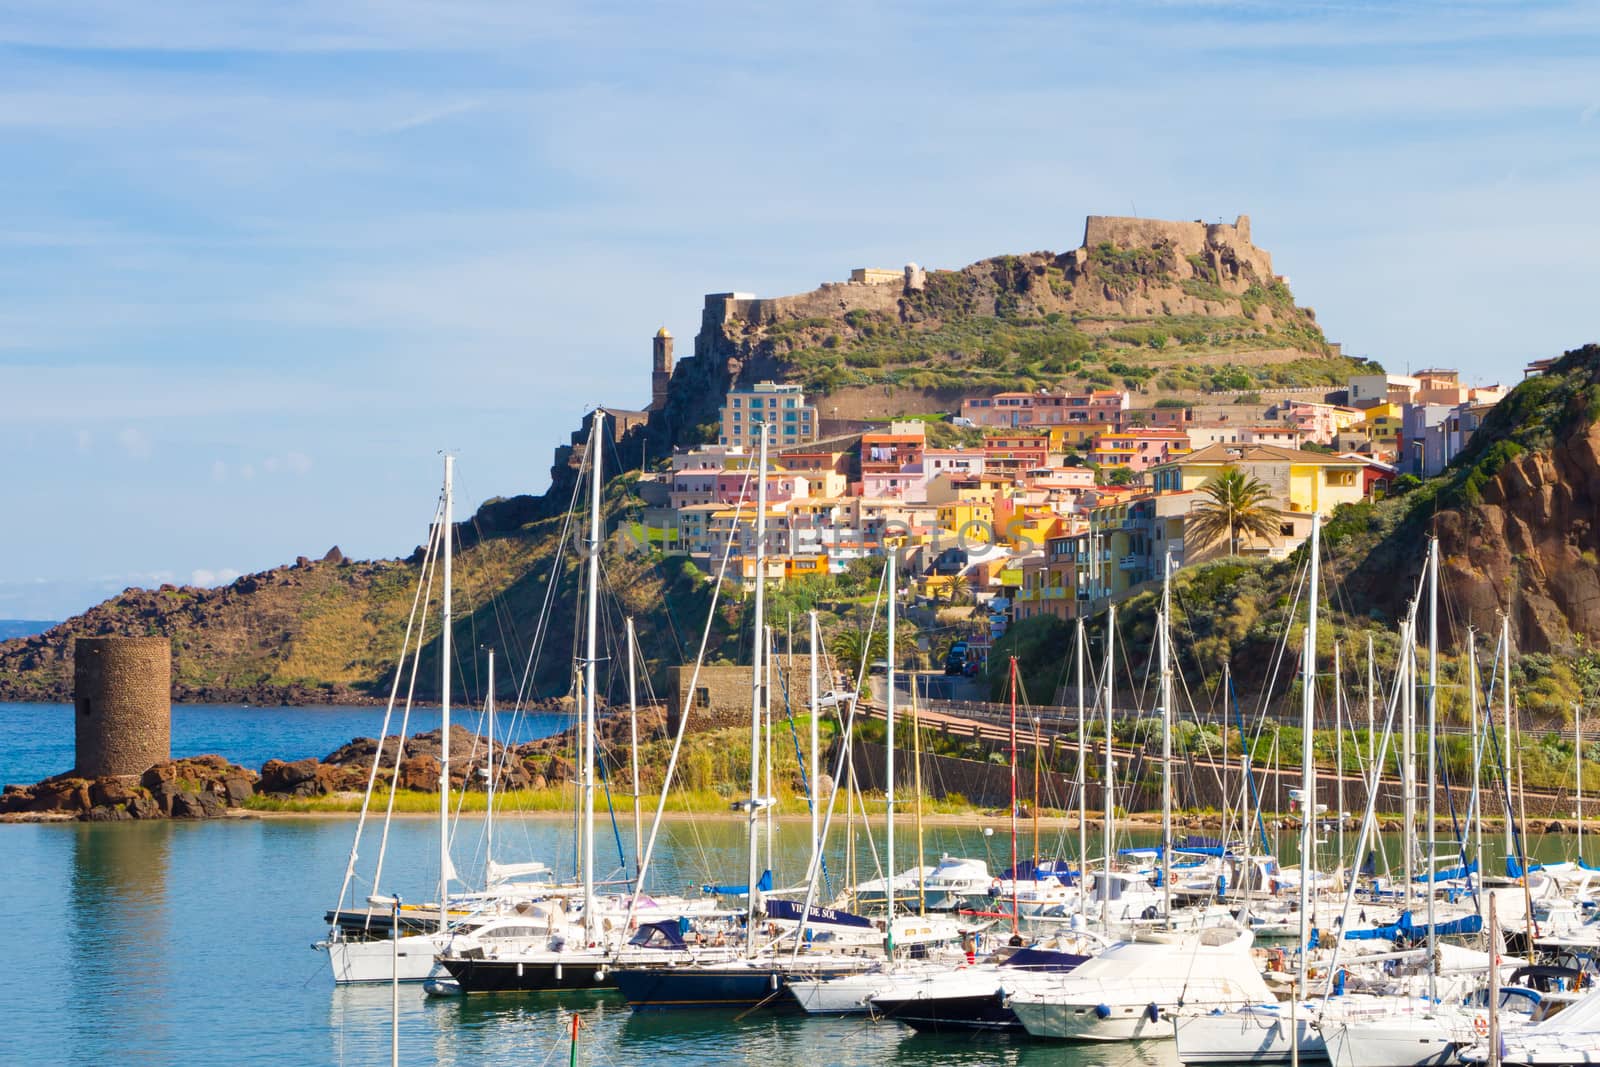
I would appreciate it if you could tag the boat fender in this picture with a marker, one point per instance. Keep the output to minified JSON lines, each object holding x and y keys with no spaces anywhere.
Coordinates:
{"x":599,"y":974}
{"x":558,"y":970}
{"x":1152,"y":1013}
{"x":1102,"y":1011}
{"x":519,"y":969}
{"x":773,"y":980}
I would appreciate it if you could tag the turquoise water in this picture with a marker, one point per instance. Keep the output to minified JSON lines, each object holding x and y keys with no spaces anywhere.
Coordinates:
{"x":188,"y":942}
{"x":174,"y":942}
{"x":36,"y":739}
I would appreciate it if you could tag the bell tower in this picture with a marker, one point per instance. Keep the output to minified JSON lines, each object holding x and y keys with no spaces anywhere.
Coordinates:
{"x":660,"y":368}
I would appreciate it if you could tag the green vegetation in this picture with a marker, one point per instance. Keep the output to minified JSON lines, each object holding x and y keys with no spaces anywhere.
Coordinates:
{"x":1237,"y":505}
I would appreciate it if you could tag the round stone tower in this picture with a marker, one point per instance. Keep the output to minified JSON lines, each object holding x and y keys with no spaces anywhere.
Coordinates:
{"x":122,"y":687}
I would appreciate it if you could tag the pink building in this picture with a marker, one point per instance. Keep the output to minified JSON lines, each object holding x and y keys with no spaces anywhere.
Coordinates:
{"x":1282,"y":436}
{"x":1138,"y":450}
{"x":1321,"y":423}
{"x":1012,"y":410}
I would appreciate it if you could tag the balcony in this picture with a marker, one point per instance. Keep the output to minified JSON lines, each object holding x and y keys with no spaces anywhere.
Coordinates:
{"x":1133,"y":563}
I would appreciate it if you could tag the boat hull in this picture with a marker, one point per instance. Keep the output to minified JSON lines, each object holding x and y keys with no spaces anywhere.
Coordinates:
{"x":1093,"y":1022}
{"x":355,"y":962}
{"x":525,"y":976}
{"x":936,"y":1015}
{"x":1401,"y":1042}
{"x":1248,"y":1037}
{"x":686,"y":988}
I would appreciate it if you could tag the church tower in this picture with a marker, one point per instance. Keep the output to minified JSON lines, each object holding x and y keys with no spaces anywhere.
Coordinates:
{"x":660,"y":368}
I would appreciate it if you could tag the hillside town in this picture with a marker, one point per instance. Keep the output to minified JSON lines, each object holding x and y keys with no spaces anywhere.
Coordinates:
{"x":1035,"y":503}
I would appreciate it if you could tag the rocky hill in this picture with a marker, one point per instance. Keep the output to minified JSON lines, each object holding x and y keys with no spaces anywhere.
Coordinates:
{"x":329,"y":630}
{"x":1516,"y":518}
{"x":1159,"y":307}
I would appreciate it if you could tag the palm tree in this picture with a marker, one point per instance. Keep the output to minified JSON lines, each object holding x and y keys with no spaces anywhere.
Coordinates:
{"x":850,"y":647}
{"x":959,"y":590}
{"x":1237,"y":508}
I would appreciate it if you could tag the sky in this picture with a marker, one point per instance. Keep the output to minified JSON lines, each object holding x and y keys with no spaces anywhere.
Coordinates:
{"x":260,"y":263}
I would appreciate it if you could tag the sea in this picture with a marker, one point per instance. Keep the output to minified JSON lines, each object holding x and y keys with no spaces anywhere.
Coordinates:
{"x":178,"y":942}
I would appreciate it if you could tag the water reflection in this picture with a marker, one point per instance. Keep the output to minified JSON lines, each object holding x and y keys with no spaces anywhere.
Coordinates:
{"x":119,"y":927}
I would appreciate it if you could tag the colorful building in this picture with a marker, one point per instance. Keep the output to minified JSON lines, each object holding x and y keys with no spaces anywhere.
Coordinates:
{"x":780,"y":405}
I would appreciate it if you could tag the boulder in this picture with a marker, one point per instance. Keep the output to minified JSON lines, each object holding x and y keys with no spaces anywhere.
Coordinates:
{"x":61,"y":794}
{"x":15,"y":798}
{"x":420,"y":773}
{"x":212,"y":805}
{"x":104,"y":813}
{"x":237,"y":790}
{"x":143,"y":807}
{"x":166,"y":796}
{"x":559,"y":769}
{"x":297,"y":778}
{"x":112,"y":792}
{"x":186,"y":805}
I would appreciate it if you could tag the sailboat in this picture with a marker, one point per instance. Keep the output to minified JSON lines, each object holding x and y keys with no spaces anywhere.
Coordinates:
{"x":756,"y":975}
{"x":539,"y":945}
{"x":354,"y":947}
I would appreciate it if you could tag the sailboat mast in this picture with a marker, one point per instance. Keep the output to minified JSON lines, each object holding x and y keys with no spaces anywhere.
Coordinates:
{"x":591,"y":924}
{"x":916,"y":764}
{"x":1338,"y":751}
{"x":633,"y":746}
{"x":1110,"y":771}
{"x":1577,"y":768}
{"x":446,"y":868}
{"x":1083,"y":782}
{"x":1015,"y":874}
{"x":1505,"y":689}
{"x":811,"y":779}
{"x":1164,"y":642}
{"x":1308,"y":766}
{"x":758,"y":631}
{"x":766,"y":790}
{"x":1476,"y":803}
{"x":1372,"y":724}
{"x":888,"y":741}
{"x":1408,"y":769}
{"x":1433,"y":756}
{"x":488,"y":785}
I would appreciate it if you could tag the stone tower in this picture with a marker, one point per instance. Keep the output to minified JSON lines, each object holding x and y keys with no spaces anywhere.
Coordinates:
{"x":660,"y":368}
{"x":122,"y":687}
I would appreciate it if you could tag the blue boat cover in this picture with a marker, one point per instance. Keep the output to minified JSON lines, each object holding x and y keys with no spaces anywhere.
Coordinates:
{"x":1406,"y":928}
{"x":1044,"y":959}
{"x":1449,"y":873}
{"x":763,"y":886}
{"x":666,"y":934}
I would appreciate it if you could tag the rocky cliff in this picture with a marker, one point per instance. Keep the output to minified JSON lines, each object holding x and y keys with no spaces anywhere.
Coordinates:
{"x":1155,"y":306}
{"x":1517,"y":516}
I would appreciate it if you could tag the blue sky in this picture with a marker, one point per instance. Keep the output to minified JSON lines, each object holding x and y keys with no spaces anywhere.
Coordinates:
{"x":259,"y":263}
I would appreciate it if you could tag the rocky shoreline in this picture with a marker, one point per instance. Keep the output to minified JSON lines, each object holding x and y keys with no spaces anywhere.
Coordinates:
{"x":205,"y":787}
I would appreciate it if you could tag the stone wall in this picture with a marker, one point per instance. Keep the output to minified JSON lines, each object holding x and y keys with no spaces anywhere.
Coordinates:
{"x":123,"y":696}
{"x":1187,"y":238}
{"x":724,"y":692}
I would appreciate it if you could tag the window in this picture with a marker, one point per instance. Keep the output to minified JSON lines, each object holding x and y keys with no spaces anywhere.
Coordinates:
{"x":702,"y":697}
{"x":1286,"y":529}
{"x":735,"y":401}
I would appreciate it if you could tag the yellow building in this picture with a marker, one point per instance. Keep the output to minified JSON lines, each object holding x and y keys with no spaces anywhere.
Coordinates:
{"x":1078,"y":436}
{"x":1382,"y":425}
{"x":1299,"y":481}
{"x":974,"y":518}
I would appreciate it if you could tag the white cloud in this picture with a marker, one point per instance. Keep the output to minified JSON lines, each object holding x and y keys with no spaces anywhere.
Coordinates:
{"x":203,"y":577}
{"x":219,"y":471}
{"x":135,"y":443}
